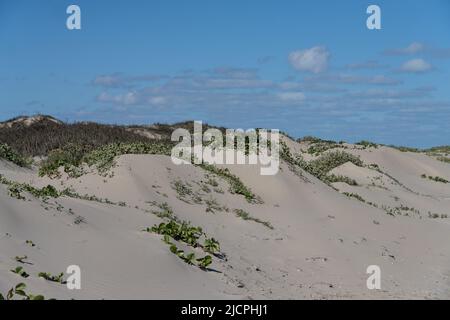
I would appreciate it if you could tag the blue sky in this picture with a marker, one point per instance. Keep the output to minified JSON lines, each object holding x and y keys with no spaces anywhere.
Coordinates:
{"x":305,"y":67}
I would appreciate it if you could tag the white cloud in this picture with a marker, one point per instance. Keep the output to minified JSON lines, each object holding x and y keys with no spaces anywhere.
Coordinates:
{"x":420,"y":48}
{"x":416,"y":66}
{"x":108,"y":80}
{"x":118,"y":80}
{"x":291,"y":96}
{"x":157,"y":100}
{"x":314,"y":59}
{"x":126,"y":99}
{"x":413,"y":48}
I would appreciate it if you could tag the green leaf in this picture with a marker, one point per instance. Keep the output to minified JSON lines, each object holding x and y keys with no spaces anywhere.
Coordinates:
{"x":10,"y":294}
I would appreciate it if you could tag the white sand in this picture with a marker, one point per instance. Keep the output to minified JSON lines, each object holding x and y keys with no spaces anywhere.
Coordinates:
{"x":320,"y":247}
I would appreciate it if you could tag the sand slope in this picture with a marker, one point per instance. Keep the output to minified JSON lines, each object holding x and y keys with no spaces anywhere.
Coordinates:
{"x":320,"y":246}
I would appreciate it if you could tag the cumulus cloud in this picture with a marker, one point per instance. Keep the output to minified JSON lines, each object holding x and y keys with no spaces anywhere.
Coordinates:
{"x":291,"y":96}
{"x":422,"y":49}
{"x":126,"y":99}
{"x":113,"y":80}
{"x":118,"y":80}
{"x":413,"y":48}
{"x":416,"y":66}
{"x":313,"y":60}
{"x":351,"y":79}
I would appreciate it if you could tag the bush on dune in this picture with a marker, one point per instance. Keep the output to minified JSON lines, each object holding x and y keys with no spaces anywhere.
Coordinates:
{"x":7,"y":153}
{"x":321,"y":166}
{"x":72,"y":156}
{"x":42,"y":137}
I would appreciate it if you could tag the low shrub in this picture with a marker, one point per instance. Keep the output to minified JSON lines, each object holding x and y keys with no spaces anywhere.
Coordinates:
{"x":18,"y":292}
{"x":7,"y":153}
{"x":236,"y":185}
{"x":367,"y":144}
{"x":322,"y":166}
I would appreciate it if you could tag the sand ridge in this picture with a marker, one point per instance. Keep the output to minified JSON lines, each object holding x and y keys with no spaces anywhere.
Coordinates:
{"x":305,"y":240}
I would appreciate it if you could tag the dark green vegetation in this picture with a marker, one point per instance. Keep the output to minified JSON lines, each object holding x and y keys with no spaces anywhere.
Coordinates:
{"x":334,"y":178}
{"x":320,"y":147}
{"x":16,"y":190}
{"x":321,"y":166}
{"x":367,"y":144}
{"x":7,"y":153}
{"x":246,"y":216}
{"x":436,"y":179}
{"x":71,"y":157}
{"x":19,"y":293}
{"x":236,"y":185}
{"x":183,"y":232}
{"x":47,"y":276}
{"x":165,"y":211}
{"x":47,"y":134}
{"x":41,"y":137}
{"x":21,"y":272}
{"x":189,"y":235}
{"x":354,"y":195}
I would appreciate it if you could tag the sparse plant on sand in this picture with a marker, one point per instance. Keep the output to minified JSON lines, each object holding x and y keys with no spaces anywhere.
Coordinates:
{"x":190,"y":258}
{"x":16,"y":189}
{"x":211,"y":245}
{"x":212,"y":205}
{"x":20,"y":271}
{"x":204,"y":262}
{"x":183,"y":232}
{"x":164,"y":212}
{"x":30,"y":243}
{"x":18,"y":293}
{"x":354,"y":195}
{"x":246,"y":216}
{"x":182,"y":189}
{"x":436,"y":178}
{"x":22,"y":259}
{"x":49,"y":277}
{"x":340,"y":178}
{"x":236,"y":185}
{"x":189,"y":235}
{"x":437,"y":215}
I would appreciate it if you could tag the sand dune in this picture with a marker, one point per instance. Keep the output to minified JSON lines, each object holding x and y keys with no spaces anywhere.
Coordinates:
{"x":306,"y":239}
